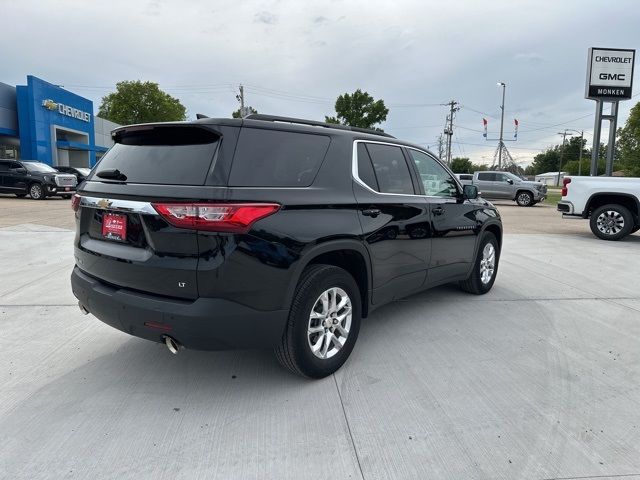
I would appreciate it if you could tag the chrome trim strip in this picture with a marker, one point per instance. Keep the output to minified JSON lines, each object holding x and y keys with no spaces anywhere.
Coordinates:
{"x":130,"y":206}
{"x":356,"y":178}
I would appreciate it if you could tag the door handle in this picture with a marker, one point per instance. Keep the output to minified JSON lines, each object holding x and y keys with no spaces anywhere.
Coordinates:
{"x":371,"y":212}
{"x":438,"y":211}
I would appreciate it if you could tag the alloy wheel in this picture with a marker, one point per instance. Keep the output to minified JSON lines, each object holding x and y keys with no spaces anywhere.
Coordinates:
{"x":487,"y":263}
{"x":610,"y":222}
{"x":329,"y":323}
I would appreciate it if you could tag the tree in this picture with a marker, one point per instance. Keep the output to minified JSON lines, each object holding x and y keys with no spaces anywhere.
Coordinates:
{"x":359,"y":110}
{"x":461,"y":165}
{"x":629,"y":143}
{"x":140,"y":102}
{"x":236,"y":114}
{"x":479,"y":168}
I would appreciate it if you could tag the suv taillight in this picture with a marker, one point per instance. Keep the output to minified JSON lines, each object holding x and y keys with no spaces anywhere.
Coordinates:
{"x":565,"y":181}
{"x":215,"y":217}
{"x":75,"y":202}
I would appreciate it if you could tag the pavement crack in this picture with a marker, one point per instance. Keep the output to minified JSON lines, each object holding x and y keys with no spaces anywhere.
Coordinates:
{"x":623,"y":475}
{"x":346,"y":420}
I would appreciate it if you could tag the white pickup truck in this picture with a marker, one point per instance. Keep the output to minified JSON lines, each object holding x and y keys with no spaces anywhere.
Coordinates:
{"x":611,"y":204}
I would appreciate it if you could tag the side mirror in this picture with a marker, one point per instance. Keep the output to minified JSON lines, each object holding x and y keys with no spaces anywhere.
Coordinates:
{"x":509,"y":181}
{"x":470,"y":192}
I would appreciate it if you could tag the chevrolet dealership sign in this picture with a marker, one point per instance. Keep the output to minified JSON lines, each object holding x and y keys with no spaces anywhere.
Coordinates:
{"x":66,"y":110}
{"x":609,"y":74}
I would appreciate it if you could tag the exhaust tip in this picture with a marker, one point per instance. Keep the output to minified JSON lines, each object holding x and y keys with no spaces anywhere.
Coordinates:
{"x":83,"y":309}
{"x":172,"y":344}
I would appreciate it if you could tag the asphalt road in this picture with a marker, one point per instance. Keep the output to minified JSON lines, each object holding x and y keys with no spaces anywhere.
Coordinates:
{"x":538,"y":379}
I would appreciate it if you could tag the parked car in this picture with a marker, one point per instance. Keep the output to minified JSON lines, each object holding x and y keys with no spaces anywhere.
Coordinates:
{"x":81,"y":173}
{"x":271,"y":232}
{"x":36,"y":179}
{"x":505,"y":185}
{"x":612,"y":204}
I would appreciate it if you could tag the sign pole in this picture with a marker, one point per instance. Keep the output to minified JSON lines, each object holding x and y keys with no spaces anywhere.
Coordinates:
{"x":595,"y":150}
{"x":609,"y":79}
{"x":611,"y":145}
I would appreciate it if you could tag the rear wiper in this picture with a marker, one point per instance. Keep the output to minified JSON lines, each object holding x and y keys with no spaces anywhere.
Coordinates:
{"x":112,"y":174}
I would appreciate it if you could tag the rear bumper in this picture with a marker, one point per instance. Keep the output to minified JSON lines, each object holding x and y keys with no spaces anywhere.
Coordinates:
{"x":202,"y":324}
{"x":565,"y":207}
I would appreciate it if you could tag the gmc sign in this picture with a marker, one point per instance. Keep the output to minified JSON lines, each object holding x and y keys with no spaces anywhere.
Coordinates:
{"x":609,"y":74}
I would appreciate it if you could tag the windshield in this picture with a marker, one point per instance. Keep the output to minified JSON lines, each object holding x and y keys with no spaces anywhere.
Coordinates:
{"x":39,"y":167}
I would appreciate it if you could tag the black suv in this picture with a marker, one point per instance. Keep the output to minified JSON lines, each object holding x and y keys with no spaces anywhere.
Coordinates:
{"x":271,"y":232}
{"x":36,"y":179}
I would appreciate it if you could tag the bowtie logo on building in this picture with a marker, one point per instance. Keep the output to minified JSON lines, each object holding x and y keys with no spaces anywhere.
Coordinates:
{"x":50,"y":104}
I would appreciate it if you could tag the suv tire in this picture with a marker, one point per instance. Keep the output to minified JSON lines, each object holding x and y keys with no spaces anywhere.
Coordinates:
{"x":485,"y":266}
{"x":524,"y":199}
{"x":611,"y":222}
{"x":318,"y":325}
{"x":36,"y":191}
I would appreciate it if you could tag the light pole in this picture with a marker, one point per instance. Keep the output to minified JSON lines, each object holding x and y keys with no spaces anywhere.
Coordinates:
{"x":564,"y":136}
{"x":500,"y":145}
{"x":581,"y":132}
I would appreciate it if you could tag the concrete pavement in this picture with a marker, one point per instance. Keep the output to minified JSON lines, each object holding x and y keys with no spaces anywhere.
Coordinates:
{"x":538,"y":379}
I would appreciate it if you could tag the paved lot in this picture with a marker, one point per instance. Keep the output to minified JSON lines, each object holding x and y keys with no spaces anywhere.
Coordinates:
{"x":538,"y":379}
{"x":56,"y":212}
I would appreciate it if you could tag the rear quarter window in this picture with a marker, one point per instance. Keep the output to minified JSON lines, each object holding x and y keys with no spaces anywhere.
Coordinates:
{"x":272,"y":158}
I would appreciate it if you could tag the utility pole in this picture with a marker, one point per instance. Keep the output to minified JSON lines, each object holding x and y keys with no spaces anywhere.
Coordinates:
{"x":501,"y":141}
{"x":440,"y":145}
{"x":448,"y":130}
{"x":240,"y":98}
{"x":564,"y":136}
{"x":580,"y":156}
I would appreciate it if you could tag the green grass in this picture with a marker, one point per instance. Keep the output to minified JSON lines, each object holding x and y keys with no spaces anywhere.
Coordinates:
{"x":553,"y":196}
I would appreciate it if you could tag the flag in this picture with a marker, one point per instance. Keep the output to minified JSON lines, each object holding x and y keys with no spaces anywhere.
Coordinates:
{"x":515,"y":135}
{"x":484,"y":123}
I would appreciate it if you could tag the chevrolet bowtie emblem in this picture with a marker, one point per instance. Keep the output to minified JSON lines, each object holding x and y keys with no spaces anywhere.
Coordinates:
{"x":49,"y":104}
{"x":104,"y":203}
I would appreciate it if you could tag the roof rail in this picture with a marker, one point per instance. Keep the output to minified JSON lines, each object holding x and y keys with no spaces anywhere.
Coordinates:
{"x":314,"y":123}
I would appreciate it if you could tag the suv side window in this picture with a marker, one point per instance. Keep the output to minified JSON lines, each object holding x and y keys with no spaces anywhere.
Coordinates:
{"x":365,"y":168}
{"x":274,"y":158}
{"x":15,"y":166}
{"x":391,"y":169}
{"x":487,"y":177}
{"x":501,"y":177}
{"x":436,"y":180}
{"x":4,"y":166}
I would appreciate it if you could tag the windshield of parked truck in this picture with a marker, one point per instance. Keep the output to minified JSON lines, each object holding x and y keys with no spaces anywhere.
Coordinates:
{"x":37,"y":167}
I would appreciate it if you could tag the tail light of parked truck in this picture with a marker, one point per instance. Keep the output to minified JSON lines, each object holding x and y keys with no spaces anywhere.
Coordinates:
{"x":220,"y":217}
{"x":565,"y":186}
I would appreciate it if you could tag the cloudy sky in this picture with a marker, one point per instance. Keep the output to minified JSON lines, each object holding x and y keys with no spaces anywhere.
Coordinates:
{"x":295,"y":57}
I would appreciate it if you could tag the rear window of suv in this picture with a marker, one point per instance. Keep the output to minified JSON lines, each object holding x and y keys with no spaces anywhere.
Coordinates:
{"x":162,"y":155}
{"x":273,"y":158}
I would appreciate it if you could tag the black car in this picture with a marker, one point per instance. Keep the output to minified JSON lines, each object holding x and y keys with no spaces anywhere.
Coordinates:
{"x":81,"y":173}
{"x":36,"y":179}
{"x":271,"y":232}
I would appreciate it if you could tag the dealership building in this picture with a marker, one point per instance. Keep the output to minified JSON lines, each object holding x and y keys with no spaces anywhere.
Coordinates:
{"x":44,"y":122}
